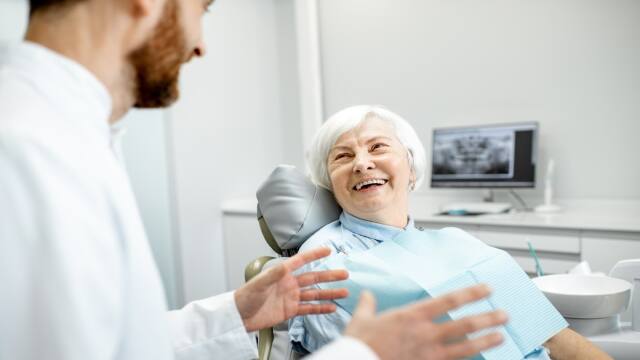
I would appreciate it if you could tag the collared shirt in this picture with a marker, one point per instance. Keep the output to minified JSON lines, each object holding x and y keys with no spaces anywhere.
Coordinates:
{"x":347,"y":235}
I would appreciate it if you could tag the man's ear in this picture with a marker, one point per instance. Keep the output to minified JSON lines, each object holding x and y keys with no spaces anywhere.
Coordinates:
{"x":143,"y":16}
{"x":141,"y":8}
{"x":146,"y":9}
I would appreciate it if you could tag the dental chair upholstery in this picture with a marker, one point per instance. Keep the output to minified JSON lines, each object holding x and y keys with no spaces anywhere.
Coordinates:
{"x":290,"y":209}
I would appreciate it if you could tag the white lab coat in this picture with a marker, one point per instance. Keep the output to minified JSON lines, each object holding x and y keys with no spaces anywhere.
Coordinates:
{"x":77,"y":279}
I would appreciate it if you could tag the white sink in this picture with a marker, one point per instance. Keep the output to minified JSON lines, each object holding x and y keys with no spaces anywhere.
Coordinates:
{"x":585,"y":296}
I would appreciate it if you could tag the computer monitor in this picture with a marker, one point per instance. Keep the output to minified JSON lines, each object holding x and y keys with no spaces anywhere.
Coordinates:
{"x":491,"y":156}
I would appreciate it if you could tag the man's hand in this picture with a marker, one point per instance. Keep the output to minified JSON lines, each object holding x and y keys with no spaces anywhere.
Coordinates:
{"x":410,"y":333}
{"x":277,"y":295}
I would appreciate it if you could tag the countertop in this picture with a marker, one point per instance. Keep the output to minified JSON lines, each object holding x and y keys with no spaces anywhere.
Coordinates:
{"x":583,"y":214}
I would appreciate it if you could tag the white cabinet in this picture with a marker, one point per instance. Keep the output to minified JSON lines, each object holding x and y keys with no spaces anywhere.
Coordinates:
{"x":542,"y":240}
{"x":558,"y":250}
{"x":603,"y":250}
{"x":561,"y":241}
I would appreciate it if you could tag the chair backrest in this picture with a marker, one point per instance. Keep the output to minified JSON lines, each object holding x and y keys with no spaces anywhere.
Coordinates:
{"x":291,"y":208}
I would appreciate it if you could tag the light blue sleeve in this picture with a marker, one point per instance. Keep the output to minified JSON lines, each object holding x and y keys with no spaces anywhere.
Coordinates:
{"x":315,"y":331}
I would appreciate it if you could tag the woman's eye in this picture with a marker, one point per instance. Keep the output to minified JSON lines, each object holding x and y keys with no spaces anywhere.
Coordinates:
{"x":378,"y":146}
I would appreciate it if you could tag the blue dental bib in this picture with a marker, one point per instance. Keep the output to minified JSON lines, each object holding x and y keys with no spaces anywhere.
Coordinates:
{"x":417,"y":264}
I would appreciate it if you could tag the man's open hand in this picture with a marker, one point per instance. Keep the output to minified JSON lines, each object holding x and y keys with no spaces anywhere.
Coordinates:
{"x":277,"y":294}
{"x":411,"y":332}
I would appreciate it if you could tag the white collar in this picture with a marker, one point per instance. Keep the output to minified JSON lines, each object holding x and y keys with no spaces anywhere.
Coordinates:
{"x":73,"y":90}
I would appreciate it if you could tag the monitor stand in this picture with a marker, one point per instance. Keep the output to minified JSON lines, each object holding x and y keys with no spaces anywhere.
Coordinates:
{"x":488,"y":206}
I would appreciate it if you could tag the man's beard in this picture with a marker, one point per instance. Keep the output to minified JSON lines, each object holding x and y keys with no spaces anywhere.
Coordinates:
{"x":157,"y":62}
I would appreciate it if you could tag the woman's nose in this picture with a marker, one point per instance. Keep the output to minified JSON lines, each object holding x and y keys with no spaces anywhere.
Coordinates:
{"x":363,"y":162}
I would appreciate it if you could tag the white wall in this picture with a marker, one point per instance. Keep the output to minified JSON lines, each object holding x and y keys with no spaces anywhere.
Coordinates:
{"x":236,"y":120}
{"x":572,"y":65}
{"x":146,"y":151}
{"x":13,"y":19}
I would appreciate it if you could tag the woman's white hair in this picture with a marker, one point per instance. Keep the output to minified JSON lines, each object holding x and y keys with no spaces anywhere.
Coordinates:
{"x":349,"y":118}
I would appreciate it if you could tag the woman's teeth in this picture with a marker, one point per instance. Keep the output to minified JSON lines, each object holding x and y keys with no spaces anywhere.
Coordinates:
{"x":369,"y":182}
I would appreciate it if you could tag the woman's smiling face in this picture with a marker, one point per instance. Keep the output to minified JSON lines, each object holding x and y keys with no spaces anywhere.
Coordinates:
{"x":370,"y":173}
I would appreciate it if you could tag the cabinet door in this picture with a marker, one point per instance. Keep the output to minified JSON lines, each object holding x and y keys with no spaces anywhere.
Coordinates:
{"x":557,"y":241}
{"x":602,"y":251}
{"x":557,"y":250}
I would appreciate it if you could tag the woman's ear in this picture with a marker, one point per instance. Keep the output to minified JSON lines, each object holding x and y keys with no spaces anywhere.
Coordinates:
{"x":412,"y":174}
{"x":412,"y":180}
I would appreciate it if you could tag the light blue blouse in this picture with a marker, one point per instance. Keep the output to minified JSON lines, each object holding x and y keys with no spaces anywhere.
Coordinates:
{"x":347,"y":235}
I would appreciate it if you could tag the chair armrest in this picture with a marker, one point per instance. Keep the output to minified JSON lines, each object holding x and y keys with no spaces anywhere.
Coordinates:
{"x":255,"y":267}
{"x":265,"y":336}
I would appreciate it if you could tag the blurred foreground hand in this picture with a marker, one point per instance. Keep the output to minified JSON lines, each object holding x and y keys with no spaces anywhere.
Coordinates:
{"x":411,"y":333}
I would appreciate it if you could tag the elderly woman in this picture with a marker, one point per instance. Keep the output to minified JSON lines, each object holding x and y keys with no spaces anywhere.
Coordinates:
{"x":371,"y":159}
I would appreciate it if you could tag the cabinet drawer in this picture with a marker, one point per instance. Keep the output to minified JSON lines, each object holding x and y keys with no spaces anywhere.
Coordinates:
{"x":542,"y":240}
{"x":549,"y":266}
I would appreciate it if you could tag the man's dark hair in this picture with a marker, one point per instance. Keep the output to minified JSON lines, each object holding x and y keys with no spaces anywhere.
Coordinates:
{"x":39,"y":5}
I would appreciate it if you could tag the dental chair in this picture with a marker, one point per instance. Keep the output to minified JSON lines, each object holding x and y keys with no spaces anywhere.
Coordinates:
{"x":290,"y":209}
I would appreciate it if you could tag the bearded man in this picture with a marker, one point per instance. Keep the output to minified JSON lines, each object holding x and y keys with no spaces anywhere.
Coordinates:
{"x":77,"y":277}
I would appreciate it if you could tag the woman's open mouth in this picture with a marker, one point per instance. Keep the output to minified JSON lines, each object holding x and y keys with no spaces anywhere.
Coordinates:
{"x":369,"y":184}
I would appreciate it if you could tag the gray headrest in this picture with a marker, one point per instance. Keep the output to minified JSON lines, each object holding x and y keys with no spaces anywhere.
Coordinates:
{"x":293,"y":207}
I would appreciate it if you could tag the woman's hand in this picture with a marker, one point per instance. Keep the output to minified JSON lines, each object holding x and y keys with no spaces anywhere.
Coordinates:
{"x":277,"y":294}
{"x":569,"y":345}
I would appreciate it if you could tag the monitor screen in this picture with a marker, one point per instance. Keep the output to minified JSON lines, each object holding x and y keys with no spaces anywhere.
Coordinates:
{"x":485,"y":156}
